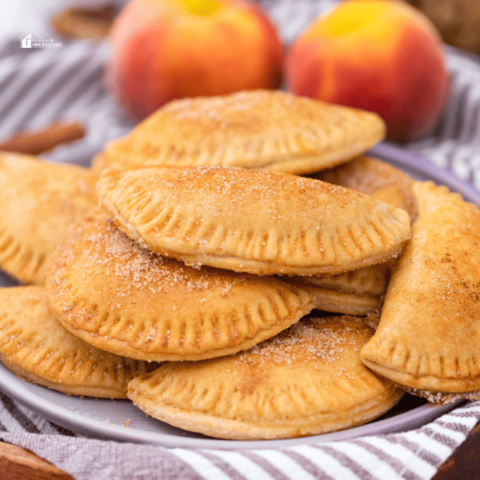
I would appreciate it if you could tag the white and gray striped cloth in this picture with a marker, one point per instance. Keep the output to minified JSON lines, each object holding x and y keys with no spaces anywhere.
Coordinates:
{"x":414,"y":455}
{"x":41,"y":86}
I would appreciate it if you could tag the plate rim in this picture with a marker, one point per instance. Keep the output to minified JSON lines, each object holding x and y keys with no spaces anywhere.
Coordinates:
{"x":80,"y":423}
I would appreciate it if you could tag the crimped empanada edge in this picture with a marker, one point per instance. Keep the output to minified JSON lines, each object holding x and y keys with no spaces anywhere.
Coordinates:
{"x":122,"y":348}
{"x":238,"y":264}
{"x":306,"y":165}
{"x":294,"y":162}
{"x":237,"y":257}
{"x":428,"y":386}
{"x":256,"y":267}
{"x":219,"y":427}
{"x":304,"y":304}
{"x":77,"y":390}
{"x":354,"y":281}
{"x":21,"y":262}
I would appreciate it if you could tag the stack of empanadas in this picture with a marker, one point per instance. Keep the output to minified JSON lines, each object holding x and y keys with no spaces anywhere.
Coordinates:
{"x":189,"y":275}
{"x":198,"y":257}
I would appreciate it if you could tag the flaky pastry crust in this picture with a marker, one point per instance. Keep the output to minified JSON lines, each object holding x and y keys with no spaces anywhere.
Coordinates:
{"x":358,"y":292}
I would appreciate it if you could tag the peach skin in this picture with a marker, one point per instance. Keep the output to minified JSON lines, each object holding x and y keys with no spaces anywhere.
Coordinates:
{"x":377,"y":55}
{"x":169,"y":49}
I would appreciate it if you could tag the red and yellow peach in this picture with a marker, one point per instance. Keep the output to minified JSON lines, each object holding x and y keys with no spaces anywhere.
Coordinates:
{"x":168,"y":49}
{"x":377,"y":55}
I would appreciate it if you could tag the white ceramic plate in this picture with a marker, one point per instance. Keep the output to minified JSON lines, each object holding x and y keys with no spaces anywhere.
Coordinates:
{"x":105,"y":418}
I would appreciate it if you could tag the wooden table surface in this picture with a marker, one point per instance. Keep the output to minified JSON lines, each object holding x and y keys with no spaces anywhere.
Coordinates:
{"x":464,"y":464}
{"x":19,"y":464}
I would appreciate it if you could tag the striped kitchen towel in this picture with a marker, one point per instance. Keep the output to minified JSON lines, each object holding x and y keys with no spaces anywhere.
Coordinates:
{"x":413,"y":455}
{"x":41,"y":86}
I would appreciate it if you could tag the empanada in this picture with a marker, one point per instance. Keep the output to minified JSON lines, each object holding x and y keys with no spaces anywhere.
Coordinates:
{"x":251,"y":220}
{"x":39,"y":200}
{"x":428,"y":339}
{"x":261,"y":129}
{"x":307,"y":380}
{"x":373,"y":177}
{"x":34,"y":346}
{"x":358,"y":292}
{"x":120,"y":297}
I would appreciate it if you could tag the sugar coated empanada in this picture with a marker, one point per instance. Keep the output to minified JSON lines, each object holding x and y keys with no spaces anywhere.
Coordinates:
{"x":307,"y":380}
{"x":261,"y":129}
{"x":428,"y":339}
{"x":39,"y":200}
{"x":34,"y":346}
{"x":120,"y":297}
{"x":251,"y":220}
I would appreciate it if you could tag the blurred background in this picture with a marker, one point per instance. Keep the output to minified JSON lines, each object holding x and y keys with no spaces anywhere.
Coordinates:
{"x":25,"y":15}
{"x":387,"y":60}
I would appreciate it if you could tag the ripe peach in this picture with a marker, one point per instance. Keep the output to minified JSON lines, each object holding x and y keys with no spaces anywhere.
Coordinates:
{"x":377,"y":55}
{"x":168,"y":49}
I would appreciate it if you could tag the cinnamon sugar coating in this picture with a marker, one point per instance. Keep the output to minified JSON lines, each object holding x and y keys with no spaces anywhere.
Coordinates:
{"x":120,"y":297}
{"x":252,"y":221}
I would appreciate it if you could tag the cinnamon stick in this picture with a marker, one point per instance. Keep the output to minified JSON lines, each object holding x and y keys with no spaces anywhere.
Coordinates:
{"x":83,"y":23}
{"x":43,"y":140}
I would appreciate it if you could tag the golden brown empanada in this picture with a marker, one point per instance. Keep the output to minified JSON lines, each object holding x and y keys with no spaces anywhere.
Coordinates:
{"x":307,"y":380}
{"x":34,"y":346}
{"x":252,"y":221}
{"x":373,"y":177}
{"x":120,"y":297}
{"x":261,"y":129}
{"x":428,"y":339}
{"x":39,"y":200}
{"x":357,"y":292}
